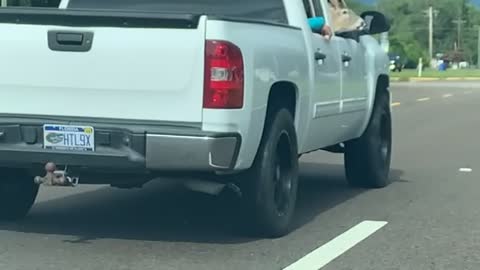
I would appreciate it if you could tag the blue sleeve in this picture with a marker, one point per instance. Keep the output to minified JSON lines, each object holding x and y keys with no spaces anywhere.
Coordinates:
{"x":316,"y":23}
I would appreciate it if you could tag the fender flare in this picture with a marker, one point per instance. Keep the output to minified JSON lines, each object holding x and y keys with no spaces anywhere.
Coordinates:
{"x":376,"y":84}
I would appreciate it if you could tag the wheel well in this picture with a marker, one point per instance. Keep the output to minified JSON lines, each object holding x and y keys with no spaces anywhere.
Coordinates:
{"x":282,"y":95}
{"x":383,"y":82}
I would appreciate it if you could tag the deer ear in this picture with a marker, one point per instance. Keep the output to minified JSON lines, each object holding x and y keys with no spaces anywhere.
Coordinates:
{"x":334,"y":3}
{"x":341,"y":4}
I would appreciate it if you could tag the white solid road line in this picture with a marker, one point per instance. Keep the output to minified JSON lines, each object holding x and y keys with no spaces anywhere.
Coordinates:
{"x":423,"y":99}
{"x":465,"y":170}
{"x":336,"y":247}
{"x":447,"y":95}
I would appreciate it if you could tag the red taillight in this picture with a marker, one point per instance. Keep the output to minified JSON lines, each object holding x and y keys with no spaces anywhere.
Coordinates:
{"x":223,"y":86}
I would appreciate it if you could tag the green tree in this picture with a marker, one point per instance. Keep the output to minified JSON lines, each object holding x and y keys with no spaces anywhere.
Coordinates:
{"x":358,"y":7}
{"x":409,"y":33}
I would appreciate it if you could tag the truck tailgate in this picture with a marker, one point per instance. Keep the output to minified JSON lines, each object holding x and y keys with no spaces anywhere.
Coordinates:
{"x":137,"y":69}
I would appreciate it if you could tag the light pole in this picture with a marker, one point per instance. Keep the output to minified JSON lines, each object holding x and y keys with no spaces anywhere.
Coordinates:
{"x":478,"y":48}
{"x":430,"y":32}
{"x":431,"y":13}
{"x":459,"y":24}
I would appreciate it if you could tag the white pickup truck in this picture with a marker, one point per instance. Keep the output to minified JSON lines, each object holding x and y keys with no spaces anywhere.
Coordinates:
{"x":232,"y":92}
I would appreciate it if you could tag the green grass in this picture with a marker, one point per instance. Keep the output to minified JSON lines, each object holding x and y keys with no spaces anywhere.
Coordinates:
{"x":431,"y":73}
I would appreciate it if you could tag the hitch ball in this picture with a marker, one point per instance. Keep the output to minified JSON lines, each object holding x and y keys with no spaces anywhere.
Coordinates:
{"x":54,"y":177}
{"x":50,"y":167}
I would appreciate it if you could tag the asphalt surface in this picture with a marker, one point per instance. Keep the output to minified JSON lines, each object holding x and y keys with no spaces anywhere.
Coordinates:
{"x":432,"y":212}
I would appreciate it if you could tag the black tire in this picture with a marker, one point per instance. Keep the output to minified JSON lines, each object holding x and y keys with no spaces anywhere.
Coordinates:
{"x":269,"y":188}
{"x":368,"y":158}
{"x":17,"y":194}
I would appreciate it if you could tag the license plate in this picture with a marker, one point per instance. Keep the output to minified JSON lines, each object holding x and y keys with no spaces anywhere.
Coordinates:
{"x":72,"y":138}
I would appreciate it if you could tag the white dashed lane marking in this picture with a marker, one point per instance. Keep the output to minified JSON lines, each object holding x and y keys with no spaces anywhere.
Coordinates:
{"x":336,"y":247}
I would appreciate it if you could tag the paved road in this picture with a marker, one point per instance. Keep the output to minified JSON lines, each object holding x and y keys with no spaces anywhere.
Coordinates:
{"x":432,"y":209}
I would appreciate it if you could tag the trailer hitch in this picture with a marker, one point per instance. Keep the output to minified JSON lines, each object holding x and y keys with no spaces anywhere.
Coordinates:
{"x":54,"y":177}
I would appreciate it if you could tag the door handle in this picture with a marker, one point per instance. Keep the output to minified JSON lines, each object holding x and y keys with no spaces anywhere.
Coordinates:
{"x":346,"y":58}
{"x":320,"y":56}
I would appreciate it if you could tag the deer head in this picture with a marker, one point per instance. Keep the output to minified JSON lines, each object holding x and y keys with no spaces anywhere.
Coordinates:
{"x":343,"y":18}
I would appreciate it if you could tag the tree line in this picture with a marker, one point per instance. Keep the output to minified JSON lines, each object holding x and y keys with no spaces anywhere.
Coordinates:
{"x":409,"y":36}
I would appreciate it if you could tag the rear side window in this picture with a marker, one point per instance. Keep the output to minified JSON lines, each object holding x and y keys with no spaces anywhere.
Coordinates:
{"x":30,"y":3}
{"x":263,"y":10}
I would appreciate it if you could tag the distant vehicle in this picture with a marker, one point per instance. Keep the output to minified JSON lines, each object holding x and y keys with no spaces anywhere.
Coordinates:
{"x":463,"y":65}
{"x":396,"y":64}
{"x":215,"y":94}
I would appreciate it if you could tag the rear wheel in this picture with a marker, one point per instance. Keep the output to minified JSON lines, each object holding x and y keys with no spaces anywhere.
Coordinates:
{"x":367,"y":159}
{"x":17,"y":194}
{"x":269,"y":188}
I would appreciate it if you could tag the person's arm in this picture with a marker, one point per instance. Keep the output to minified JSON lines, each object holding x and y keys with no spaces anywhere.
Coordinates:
{"x":317,"y":24}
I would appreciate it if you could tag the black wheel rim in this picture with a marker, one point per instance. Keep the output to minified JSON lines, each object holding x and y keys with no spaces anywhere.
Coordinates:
{"x":282,"y":175}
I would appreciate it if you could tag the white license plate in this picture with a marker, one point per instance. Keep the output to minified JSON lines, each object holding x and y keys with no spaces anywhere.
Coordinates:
{"x":74,"y":138}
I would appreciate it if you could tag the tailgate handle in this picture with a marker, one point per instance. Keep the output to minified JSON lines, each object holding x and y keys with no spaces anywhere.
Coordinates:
{"x":69,"y":38}
{"x":70,"y":41}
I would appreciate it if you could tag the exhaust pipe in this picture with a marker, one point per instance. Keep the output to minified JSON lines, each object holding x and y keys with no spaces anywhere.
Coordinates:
{"x":54,"y":177}
{"x":211,"y":188}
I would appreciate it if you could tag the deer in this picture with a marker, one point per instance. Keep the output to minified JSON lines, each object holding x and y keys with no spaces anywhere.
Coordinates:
{"x":344,"y":19}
